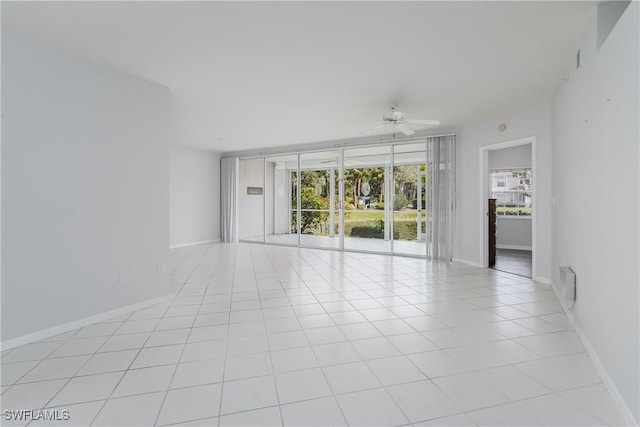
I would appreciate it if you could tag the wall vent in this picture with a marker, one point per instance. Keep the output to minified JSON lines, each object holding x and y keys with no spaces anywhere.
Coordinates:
{"x":568,"y":285}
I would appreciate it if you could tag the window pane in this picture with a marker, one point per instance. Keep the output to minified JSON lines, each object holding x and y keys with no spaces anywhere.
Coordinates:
{"x":281,"y":199}
{"x":319,"y":178}
{"x":512,"y":191}
{"x":410,"y":199}
{"x":366,"y":215}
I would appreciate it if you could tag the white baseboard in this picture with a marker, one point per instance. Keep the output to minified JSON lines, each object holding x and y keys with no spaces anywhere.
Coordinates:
{"x":467,"y":262}
{"x":602,"y":372}
{"x":544,"y":280}
{"x":514,"y":247}
{"x":81,"y":323}
{"x":184,"y":245}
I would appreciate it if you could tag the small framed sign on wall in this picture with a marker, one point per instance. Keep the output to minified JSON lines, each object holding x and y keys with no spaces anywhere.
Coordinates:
{"x":255,"y":191}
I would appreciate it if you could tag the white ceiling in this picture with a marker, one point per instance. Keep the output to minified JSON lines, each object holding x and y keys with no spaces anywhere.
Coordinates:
{"x":245,"y":75}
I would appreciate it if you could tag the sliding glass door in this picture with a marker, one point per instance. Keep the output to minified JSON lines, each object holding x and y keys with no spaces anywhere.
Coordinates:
{"x":388,"y":198}
{"x":318,"y":201}
{"x":410,"y":199}
{"x":366,"y":212}
{"x":281,"y":211}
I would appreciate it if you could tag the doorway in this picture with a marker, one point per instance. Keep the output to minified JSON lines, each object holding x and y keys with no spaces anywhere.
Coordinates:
{"x":507,"y":176}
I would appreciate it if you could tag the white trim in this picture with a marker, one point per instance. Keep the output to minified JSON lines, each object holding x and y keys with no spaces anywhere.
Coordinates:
{"x":544,"y":280}
{"x":484,"y":208}
{"x":340,"y":143}
{"x":509,"y":144}
{"x":604,"y":375}
{"x":467,"y":262}
{"x":514,"y":247}
{"x":515,"y":217}
{"x":184,"y":245}
{"x":80,"y":323}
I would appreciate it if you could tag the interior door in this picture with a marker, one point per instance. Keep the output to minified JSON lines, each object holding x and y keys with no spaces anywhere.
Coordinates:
{"x":493,"y":228}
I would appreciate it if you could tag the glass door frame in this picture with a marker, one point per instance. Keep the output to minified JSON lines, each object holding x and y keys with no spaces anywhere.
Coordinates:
{"x":389,"y":194}
{"x":387,"y":165}
{"x":331,"y":192}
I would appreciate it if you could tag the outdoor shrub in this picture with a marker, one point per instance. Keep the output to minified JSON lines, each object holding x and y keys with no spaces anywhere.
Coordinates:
{"x":312,"y":220}
{"x":371,"y":231}
{"x":368,"y":231}
{"x":400,"y":202}
{"x":412,"y":229}
{"x":380,"y":205}
{"x":405,"y":230}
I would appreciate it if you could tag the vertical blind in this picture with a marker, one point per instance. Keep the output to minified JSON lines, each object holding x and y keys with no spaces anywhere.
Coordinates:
{"x":228,"y":199}
{"x":441,"y":186}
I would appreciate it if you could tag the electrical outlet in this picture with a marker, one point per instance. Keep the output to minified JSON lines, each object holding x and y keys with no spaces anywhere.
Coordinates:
{"x":161,"y":269}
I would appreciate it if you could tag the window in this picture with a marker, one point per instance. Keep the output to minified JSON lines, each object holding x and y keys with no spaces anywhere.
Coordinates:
{"x":512,"y":190}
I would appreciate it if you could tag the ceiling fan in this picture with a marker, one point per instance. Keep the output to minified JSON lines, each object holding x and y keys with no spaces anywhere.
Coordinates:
{"x":399,"y":121}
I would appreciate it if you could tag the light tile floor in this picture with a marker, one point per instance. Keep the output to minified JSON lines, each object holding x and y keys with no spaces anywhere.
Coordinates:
{"x":265,"y":335}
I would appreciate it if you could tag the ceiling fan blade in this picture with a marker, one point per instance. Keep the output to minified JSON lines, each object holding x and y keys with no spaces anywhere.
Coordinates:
{"x":423,"y":122}
{"x":374,"y":128}
{"x":405,"y":129}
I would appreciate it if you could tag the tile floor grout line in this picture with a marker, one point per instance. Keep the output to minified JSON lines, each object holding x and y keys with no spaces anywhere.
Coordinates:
{"x":130,"y":364}
{"x":226,"y":346}
{"x":69,"y":379}
{"x":184,"y":346}
{"x":273,"y":371}
{"x":271,"y":277}
{"x":39,"y":362}
{"x":120,"y":380}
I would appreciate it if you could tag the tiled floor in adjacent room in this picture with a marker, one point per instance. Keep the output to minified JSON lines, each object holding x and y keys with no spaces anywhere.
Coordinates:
{"x":514,"y":261}
{"x":266,"y":335}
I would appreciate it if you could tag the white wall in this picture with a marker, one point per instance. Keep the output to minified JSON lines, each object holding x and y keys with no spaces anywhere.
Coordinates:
{"x":533,"y":120}
{"x":512,"y":157}
{"x":85,"y":188}
{"x":512,"y":232}
{"x":194,"y":195}
{"x":250,"y":206}
{"x":595,"y":217}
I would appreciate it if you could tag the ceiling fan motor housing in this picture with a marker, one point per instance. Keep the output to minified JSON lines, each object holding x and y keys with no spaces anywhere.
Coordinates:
{"x":399,"y":121}
{"x":394,"y":116}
